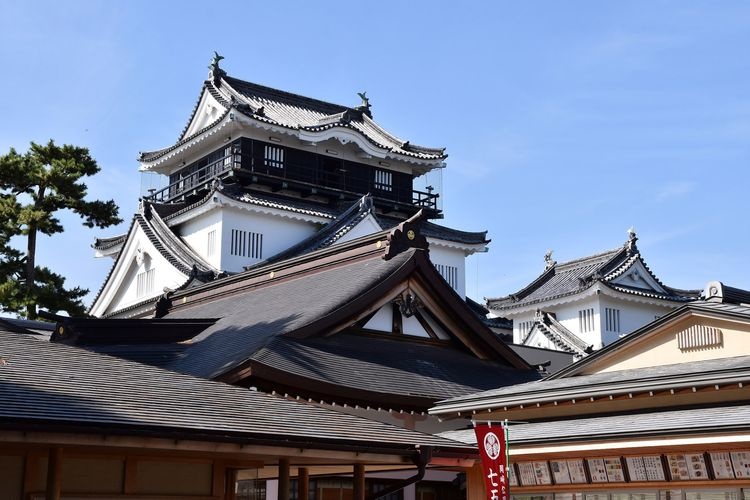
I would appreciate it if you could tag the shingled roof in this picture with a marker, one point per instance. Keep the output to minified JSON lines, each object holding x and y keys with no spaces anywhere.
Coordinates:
{"x":277,"y":322}
{"x":52,"y":387}
{"x":296,"y":113}
{"x":569,"y":278}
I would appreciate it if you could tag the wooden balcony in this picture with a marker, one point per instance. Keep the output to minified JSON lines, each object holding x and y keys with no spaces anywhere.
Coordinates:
{"x":334,"y":180}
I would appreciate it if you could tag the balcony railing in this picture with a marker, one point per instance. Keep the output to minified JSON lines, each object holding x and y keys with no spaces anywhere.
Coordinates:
{"x":302,"y":176}
{"x":195,"y":180}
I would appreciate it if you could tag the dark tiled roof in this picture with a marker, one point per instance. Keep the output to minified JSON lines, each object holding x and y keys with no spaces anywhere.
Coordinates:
{"x":387,"y":366}
{"x":432,"y":230}
{"x":297,"y":112}
{"x":537,"y":356}
{"x":169,"y":211}
{"x":105,"y":243}
{"x":51,"y":385}
{"x":15,"y":325}
{"x":250,"y":319}
{"x":329,"y":234}
{"x":631,"y":425}
{"x":663,"y":377}
{"x":569,"y":278}
{"x":169,"y":245}
{"x":560,"y":336}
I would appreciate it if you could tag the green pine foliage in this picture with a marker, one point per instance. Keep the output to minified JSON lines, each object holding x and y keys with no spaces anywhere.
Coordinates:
{"x":34,"y":187}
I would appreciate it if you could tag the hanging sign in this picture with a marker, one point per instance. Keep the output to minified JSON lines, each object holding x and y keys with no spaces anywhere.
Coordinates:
{"x":493,"y":450}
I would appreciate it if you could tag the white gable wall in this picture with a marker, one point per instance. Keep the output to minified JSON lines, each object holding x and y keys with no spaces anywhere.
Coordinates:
{"x":125,"y":291}
{"x":278,"y":234}
{"x":450,"y":262}
{"x":196,"y":234}
{"x":633,"y":315}
{"x":365,"y":227}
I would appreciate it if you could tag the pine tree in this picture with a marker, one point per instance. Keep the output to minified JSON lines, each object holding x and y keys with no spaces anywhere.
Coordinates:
{"x":34,"y":187}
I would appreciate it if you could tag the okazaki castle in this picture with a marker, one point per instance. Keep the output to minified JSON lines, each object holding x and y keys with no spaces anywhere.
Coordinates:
{"x":259,"y":175}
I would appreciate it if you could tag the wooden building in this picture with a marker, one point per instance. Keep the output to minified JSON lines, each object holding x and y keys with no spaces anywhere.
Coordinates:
{"x":659,"y":414}
{"x":366,"y":328}
{"x":81,"y":425}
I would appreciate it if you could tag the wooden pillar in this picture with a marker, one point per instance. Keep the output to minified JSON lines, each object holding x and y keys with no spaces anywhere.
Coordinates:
{"x":283,"y":479}
{"x":359,"y":482}
{"x":54,"y":474}
{"x":303,"y":484}
{"x":475,"y":483}
{"x":231,"y":478}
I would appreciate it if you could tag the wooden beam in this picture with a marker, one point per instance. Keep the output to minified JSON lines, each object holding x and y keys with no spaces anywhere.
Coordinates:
{"x":359,"y":482}
{"x":284,"y":479}
{"x":54,"y":474}
{"x":303,"y":484}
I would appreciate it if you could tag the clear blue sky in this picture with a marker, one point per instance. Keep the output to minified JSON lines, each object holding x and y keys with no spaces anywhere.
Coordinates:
{"x":566,"y":122}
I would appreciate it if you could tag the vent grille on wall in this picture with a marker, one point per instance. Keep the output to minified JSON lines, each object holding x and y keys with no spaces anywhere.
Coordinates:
{"x":699,"y":337}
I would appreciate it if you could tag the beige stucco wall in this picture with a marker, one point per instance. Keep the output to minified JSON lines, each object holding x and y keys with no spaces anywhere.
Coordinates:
{"x":661,"y":348}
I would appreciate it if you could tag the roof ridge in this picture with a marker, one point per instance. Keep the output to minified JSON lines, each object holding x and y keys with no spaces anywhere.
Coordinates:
{"x":229,"y":80}
{"x":593,"y":257}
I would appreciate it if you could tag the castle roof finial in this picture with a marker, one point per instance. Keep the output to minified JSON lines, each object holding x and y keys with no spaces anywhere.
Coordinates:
{"x":365,"y":105}
{"x":216,"y":72}
{"x":548,"y":262}
{"x":632,"y":238}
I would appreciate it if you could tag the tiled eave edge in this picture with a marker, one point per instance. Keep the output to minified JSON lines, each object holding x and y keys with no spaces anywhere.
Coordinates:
{"x":160,"y":160}
{"x":208,"y":204}
{"x":581,"y":294}
{"x":583,"y":392}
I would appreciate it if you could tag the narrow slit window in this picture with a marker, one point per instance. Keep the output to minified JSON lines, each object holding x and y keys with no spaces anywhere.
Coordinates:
{"x":383,"y":180}
{"x":274,"y":157}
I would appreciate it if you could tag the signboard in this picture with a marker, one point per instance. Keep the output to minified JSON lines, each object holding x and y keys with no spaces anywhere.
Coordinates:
{"x":512,"y":478}
{"x":654,"y":467}
{"x":636,"y":469}
{"x":526,"y":473}
{"x":721,"y":463}
{"x":615,"y":473}
{"x":492,"y":449}
{"x":741,"y":462}
{"x":696,"y":463}
{"x":597,"y":470}
{"x":678,"y":468}
{"x":560,"y":471}
{"x":577,"y":471}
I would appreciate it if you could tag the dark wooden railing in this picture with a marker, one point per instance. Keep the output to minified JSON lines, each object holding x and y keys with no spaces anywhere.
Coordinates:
{"x":312,"y":177}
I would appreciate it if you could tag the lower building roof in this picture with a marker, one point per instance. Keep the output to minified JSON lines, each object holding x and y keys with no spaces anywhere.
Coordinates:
{"x":53,"y":387}
{"x":631,"y":425}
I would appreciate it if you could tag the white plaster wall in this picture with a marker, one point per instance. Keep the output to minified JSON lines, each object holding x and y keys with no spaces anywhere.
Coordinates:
{"x":633,"y":315}
{"x":366,"y":227}
{"x":450,"y":257}
{"x":567,"y":314}
{"x":382,"y":321}
{"x":195,"y":233}
{"x":166,"y":276}
{"x":279,"y":233}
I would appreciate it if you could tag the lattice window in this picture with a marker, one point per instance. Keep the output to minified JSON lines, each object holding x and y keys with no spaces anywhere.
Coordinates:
{"x":145,"y":281}
{"x":586,"y":320}
{"x":612,"y":319}
{"x":449,"y":274}
{"x":246,"y":244}
{"x":273,"y":157}
{"x":383,"y":180}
